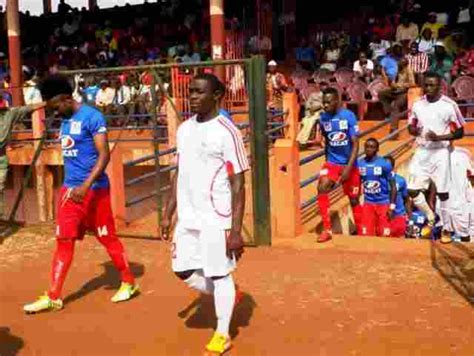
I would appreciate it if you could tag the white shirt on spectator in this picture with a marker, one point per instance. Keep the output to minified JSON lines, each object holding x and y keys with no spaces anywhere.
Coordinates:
{"x":31,"y":93}
{"x":360,"y":69}
{"x":379,"y":49}
{"x":195,"y":57}
{"x":105,"y":96}
{"x":426,"y":46}
{"x":123,"y":95}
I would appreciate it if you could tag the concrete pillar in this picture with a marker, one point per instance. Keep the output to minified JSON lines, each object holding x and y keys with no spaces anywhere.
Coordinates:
{"x":14,"y":51}
{"x":218,"y":35}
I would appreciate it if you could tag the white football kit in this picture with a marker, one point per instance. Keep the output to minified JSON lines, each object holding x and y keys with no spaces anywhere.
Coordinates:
{"x":431,"y":159}
{"x":208,"y":153}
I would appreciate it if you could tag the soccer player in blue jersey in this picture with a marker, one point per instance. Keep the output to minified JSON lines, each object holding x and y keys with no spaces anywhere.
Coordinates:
{"x":84,"y":202}
{"x":399,"y":219}
{"x":340,"y":131}
{"x":380,"y":192}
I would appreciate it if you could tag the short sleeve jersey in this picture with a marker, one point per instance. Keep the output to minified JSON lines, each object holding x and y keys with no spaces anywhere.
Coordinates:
{"x":376,"y":176}
{"x":78,"y":146}
{"x":208,"y":153}
{"x":338,"y":130}
{"x":440,"y":116}
{"x":402,"y":194}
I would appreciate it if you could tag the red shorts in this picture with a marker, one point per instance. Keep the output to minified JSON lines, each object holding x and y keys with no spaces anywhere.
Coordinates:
{"x":333,"y":171}
{"x":93,"y":214}
{"x":375,"y":221}
{"x":398,"y":226}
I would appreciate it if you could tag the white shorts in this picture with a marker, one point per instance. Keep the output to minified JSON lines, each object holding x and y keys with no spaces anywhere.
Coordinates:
{"x":201,"y":249}
{"x":459,"y":222}
{"x":430,"y":164}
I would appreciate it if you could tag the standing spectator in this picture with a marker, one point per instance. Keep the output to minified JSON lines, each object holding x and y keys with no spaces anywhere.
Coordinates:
{"x":306,"y":55}
{"x":277,"y":85}
{"x":441,"y":62}
{"x":63,"y":8}
{"x":418,"y":62}
{"x":105,"y":96}
{"x":331,"y":57}
{"x":464,"y":63}
{"x":432,"y":24}
{"x":426,"y":42}
{"x":407,"y":32}
{"x":378,"y":47}
{"x":363,"y":68}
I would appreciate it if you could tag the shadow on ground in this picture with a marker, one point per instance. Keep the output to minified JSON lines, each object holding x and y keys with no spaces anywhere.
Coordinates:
{"x":455,"y":263}
{"x":9,"y":344}
{"x":109,"y":279}
{"x":204,"y":317}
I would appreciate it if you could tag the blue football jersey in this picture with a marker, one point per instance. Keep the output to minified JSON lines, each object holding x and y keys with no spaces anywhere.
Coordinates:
{"x":418,"y":221}
{"x":79,"y":151}
{"x":338,"y":130}
{"x":402,"y":194}
{"x":376,"y":176}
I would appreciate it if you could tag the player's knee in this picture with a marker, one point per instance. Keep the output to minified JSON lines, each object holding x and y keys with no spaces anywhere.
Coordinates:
{"x":443,"y":196}
{"x":354,"y":201}
{"x":413,"y":193}
{"x":184,"y":275}
{"x":324,"y":186}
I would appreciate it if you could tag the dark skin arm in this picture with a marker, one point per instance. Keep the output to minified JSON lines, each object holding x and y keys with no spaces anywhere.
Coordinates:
{"x":352,"y":160}
{"x":169,"y":209}
{"x":102,"y":145}
{"x":455,"y":135}
{"x":393,"y":197}
{"x":235,"y":242}
{"x":413,"y":130}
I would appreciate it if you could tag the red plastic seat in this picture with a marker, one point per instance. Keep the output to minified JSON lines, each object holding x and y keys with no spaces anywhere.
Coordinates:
{"x":463,"y":88}
{"x":344,"y":77}
{"x":356,"y":92}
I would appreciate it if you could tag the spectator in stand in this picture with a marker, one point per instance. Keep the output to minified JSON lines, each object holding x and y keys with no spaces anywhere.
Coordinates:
{"x":441,"y":62}
{"x":394,"y":99}
{"x":418,"y":62}
{"x":306,"y":55}
{"x":3,"y":66}
{"x":105,"y":96}
{"x":277,"y":85}
{"x":383,"y":29}
{"x":464,"y":63}
{"x":310,"y":122}
{"x":191,"y":56}
{"x":426,"y":42}
{"x":331,"y":57}
{"x":63,"y":8}
{"x":378,"y":47}
{"x":389,"y":65}
{"x":407,"y":32}
{"x":31,"y":93}
{"x":363,"y":68}
{"x":432,"y":24}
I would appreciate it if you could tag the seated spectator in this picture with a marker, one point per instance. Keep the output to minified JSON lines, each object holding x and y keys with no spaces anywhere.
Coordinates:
{"x":426,"y":42}
{"x":383,"y":29}
{"x":378,"y":47}
{"x":407,"y":32}
{"x":306,"y":55}
{"x":389,"y":65}
{"x":105,"y":95}
{"x":331,"y":57}
{"x":418,"y":62}
{"x":432,"y":24}
{"x":363,"y":68}
{"x":309,"y":124}
{"x":31,"y":93}
{"x":464,"y":63}
{"x":190,"y":56}
{"x":277,"y":85}
{"x":441,"y":62}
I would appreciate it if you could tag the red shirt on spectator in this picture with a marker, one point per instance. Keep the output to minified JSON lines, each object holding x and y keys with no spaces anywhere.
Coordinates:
{"x":464,"y":64}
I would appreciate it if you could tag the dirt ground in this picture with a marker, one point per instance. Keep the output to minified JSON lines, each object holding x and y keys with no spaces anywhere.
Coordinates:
{"x":353,"y":296}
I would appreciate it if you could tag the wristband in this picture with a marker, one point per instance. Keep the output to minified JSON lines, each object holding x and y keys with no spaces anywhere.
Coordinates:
{"x":392,"y":206}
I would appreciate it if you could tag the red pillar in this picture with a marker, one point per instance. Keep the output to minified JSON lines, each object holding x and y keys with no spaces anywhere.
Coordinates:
{"x":218,"y":35}
{"x":47,"y":8}
{"x":92,"y":4}
{"x":14,"y":51}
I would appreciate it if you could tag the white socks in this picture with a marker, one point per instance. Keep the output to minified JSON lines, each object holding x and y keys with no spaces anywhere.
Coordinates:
{"x":444,"y":214}
{"x":199,"y":282}
{"x":420,"y":203}
{"x":224,"y":299}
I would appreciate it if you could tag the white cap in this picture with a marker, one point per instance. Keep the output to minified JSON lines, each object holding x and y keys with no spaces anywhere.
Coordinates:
{"x":272,"y":63}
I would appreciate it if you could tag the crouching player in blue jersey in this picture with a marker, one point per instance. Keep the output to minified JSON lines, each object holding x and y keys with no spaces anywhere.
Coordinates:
{"x":398,"y":225}
{"x":84,"y":202}
{"x":379,"y":189}
{"x":341,"y":133}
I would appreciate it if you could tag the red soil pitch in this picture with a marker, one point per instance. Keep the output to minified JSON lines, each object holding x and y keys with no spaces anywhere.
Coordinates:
{"x":352,"y":296}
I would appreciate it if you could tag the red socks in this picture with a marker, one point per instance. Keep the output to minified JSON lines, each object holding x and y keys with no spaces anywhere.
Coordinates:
{"x":61,"y":261}
{"x":117,"y":254}
{"x":323,"y":202}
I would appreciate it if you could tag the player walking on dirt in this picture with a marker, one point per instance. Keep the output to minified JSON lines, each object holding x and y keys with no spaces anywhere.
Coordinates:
{"x":208,"y":192}
{"x":435,"y":121}
{"x":84,"y":202}
{"x":341,"y":133}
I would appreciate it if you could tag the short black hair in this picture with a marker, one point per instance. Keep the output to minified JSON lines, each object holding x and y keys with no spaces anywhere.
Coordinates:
{"x":373,"y":139}
{"x":332,"y":91}
{"x":216,"y":84}
{"x":55,"y":85}
{"x":391,"y":160}
{"x":433,"y":75}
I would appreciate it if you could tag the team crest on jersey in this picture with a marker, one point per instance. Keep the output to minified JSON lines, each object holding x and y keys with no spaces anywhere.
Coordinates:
{"x":372,"y":187}
{"x":343,"y":124}
{"x":378,"y":171}
{"x":362,"y":171}
{"x":338,"y":138}
{"x":327,"y":126}
{"x":67,"y":145}
{"x":75,"y":128}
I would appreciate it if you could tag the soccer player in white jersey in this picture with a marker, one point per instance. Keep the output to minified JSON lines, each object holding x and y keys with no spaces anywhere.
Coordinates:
{"x":461,"y":194}
{"x":210,"y":198}
{"x":435,"y":121}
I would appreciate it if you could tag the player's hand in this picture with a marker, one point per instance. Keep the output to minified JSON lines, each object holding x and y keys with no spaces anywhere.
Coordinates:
{"x":234,"y":244}
{"x":390,"y":215}
{"x":78,"y":193}
{"x":165,"y":227}
{"x":431,"y":136}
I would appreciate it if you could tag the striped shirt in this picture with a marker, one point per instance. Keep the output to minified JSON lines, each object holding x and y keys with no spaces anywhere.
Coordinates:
{"x":418,"y":62}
